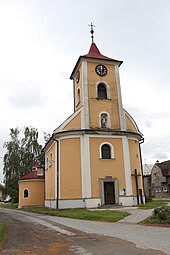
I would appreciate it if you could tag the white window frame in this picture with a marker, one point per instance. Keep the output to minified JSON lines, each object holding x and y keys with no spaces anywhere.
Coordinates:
{"x":111,"y":150}
{"x":158,"y":189}
{"x":23,"y":193}
{"x":165,"y":188}
{"x":107,"y":89}
{"x":108,"y":119}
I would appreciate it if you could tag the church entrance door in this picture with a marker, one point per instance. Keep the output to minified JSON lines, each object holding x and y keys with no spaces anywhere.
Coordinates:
{"x":109,"y":193}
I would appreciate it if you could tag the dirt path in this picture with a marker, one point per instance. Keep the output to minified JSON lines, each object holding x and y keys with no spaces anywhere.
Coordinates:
{"x":27,"y":238}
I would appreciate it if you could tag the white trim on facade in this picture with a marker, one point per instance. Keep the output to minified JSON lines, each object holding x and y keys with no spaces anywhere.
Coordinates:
{"x":67,"y":121}
{"x":55,"y":170}
{"x":93,"y":202}
{"x":121,"y":112}
{"x":85,"y":167}
{"x":102,"y":191}
{"x":107,"y":88}
{"x":92,"y":136}
{"x":59,"y":165}
{"x":85,"y":109}
{"x":50,"y":203}
{"x":111,"y":147}
{"x":108,"y":123}
{"x":74,"y":203}
{"x":132,"y":120}
{"x":24,"y":194}
{"x":127,"y":167}
{"x":128,"y":201}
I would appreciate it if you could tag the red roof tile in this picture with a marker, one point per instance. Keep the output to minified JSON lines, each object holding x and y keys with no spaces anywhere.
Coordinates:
{"x":32,"y":175}
{"x":95,"y":53}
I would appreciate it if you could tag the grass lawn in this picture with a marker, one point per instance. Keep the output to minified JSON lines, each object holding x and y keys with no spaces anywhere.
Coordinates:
{"x":155,"y":221}
{"x":154,"y":204}
{"x":3,"y":231}
{"x":83,"y":214}
{"x":9,"y":205}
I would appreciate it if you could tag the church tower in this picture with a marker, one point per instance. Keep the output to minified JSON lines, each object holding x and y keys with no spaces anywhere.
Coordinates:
{"x":94,"y":155}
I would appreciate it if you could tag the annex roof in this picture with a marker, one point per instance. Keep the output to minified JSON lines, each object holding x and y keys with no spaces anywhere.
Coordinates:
{"x":32,"y":175}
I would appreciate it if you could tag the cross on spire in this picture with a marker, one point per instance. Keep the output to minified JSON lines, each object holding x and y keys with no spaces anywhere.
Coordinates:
{"x":92,"y":31}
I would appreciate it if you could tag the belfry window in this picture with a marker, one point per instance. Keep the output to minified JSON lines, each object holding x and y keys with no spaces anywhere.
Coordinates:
{"x":25,"y":193}
{"x":106,"y":151}
{"x":101,"y":91}
{"x":78,"y":96}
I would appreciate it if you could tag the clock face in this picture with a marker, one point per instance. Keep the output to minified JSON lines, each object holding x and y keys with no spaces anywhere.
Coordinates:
{"x":101,"y":70}
{"x":78,"y":76}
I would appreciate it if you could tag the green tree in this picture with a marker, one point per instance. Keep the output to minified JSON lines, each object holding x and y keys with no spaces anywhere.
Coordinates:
{"x":22,"y":151}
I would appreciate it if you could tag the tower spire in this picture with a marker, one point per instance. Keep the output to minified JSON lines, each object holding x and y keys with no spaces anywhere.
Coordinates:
{"x":92,"y":31}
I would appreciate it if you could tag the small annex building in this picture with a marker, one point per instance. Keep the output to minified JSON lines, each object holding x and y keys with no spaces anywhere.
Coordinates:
{"x":93,"y":158}
{"x":31,"y":187}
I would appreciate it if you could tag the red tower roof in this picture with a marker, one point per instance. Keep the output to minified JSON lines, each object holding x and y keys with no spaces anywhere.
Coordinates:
{"x":95,"y":53}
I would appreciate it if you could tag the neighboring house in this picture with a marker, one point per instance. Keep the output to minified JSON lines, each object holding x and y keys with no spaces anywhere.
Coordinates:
{"x":160,"y":180}
{"x":2,"y":196}
{"x":92,"y":157}
{"x":147,"y":178}
{"x":31,"y":187}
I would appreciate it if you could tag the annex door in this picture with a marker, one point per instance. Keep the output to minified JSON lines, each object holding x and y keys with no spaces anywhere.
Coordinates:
{"x":109,"y":193}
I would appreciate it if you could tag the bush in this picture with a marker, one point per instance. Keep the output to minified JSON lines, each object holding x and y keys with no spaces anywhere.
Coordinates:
{"x":162,"y":213}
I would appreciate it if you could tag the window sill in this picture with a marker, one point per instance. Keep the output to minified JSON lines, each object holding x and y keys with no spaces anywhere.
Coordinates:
{"x":106,"y":99}
{"x":107,"y":158}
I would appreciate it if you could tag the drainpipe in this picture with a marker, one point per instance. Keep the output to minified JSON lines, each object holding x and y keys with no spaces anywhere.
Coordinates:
{"x":57,"y":173}
{"x":140,"y":142}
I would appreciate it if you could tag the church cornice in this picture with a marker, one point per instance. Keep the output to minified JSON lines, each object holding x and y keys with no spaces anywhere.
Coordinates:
{"x":98,"y":131}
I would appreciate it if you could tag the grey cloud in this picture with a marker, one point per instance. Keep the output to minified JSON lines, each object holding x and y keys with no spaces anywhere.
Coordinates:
{"x":160,"y":155}
{"x":148,"y":123}
{"x":25,"y":95}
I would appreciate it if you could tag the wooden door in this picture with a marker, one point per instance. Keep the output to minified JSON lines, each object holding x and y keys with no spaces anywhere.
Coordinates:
{"x":109,"y":193}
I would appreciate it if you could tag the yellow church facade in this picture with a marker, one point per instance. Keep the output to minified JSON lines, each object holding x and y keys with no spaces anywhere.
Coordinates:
{"x":93,"y":155}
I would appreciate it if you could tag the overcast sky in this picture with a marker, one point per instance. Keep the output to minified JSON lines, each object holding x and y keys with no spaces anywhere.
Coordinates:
{"x":41,"y":40}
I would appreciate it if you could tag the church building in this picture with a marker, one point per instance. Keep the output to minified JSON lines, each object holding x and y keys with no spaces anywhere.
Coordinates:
{"x":93,"y":158}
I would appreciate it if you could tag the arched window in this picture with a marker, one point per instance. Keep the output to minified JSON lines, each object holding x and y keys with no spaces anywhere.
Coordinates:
{"x":25,"y":193}
{"x":101,"y":91}
{"x":106,"y":151}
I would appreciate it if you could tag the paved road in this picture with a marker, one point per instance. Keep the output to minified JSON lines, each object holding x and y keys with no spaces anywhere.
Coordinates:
{"x":35,"y":234}
{"x":146,"y":237}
